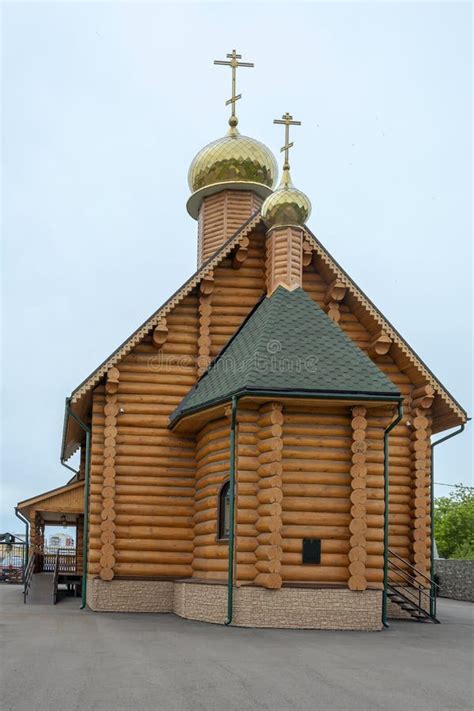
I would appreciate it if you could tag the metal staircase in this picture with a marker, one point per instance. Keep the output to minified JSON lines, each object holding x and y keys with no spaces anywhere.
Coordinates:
{"x":411,"y":590}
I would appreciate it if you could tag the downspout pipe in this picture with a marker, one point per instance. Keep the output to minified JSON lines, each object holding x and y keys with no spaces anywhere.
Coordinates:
{"x":230,"y":570}
{"x":27,"y":537}
{"x":386,"y":434}
{"x":432,"y":538}
{"x":85,"y":535}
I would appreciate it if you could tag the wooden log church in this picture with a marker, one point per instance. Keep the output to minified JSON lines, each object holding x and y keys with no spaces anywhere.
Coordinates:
{"x":258,"y":452}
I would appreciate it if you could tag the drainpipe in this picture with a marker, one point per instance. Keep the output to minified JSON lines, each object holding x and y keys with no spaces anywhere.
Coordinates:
{"x":230,"y":572}
{"x":27,"y":537}
{"x":386,"y":433}
{"x":85,"y":535}
{"x":433,"y":445}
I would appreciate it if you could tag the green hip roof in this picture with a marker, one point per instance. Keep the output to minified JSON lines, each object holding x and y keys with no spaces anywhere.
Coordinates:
{"x":288,"y":344}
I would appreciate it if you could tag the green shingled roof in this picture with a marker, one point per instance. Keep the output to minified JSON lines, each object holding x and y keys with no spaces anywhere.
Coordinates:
{"x":288,"y":344}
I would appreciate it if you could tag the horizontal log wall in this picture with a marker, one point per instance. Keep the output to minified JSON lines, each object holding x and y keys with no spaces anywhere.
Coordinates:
{"x":149,"y":529}
{"x":210,"y":555}
{"x":421,"y":468}
{"x":269,"y":524}
{"x":108,"y":513}
{"x":96,"y":526}
{"x":402,"y":492}
{"x":154,"y":468}
{"x":235,"y":293}
{"x":316,"y":492}
{"x":358,"y":497}
{"x":247,"y":488}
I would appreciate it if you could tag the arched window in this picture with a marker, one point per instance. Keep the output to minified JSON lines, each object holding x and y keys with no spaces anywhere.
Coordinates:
{"x":223,"y":512}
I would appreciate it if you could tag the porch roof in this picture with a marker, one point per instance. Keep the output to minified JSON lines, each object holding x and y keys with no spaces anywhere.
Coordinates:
{"x":67,"y":499}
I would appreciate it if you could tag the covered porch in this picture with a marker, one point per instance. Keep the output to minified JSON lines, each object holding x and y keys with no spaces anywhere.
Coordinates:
{"x":59,"y":563}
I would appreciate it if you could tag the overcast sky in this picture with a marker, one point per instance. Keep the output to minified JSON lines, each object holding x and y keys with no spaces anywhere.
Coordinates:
{"x":104,"y":106}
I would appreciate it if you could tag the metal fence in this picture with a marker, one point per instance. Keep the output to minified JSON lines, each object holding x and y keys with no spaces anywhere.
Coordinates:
{"x":12,"y":560}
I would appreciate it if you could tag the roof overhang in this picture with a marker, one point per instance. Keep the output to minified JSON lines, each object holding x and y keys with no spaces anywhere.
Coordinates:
{"x":193,"y":419}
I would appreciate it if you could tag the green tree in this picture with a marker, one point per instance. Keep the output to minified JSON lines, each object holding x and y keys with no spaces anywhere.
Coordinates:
{"x":454,"y":524}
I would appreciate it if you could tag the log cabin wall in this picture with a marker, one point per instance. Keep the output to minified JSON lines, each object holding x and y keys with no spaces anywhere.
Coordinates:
{"x":235,"y":292}
{"x":377,"y":420}
{"x":96,"y":525}
{"x":148,"y":514}
{"x":402,"y":462}
{"x":269,"y":524}
{"x":220,"y":216}
{"x":212,"y":470}
{"x":247,"y":487}
{"x":316,"y":492}
{"x":148,"y":531}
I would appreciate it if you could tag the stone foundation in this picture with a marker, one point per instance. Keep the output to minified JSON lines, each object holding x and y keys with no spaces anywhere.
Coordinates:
{"x":289,"y":607}
{"x":130,"y":595}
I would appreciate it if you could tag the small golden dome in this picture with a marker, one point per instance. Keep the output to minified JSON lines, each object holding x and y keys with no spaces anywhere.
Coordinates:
{"x":233,"y":161}
{"x":287,"y":206}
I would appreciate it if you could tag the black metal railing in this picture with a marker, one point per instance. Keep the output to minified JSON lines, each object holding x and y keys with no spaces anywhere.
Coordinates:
{"x":29,"y":571}
{"x":412,"y":584}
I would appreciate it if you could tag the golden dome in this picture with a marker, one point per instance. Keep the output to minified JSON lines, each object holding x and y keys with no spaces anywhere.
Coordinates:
{"x":287,"y":206}
{"x":233,"y":158}
{"x":233,"y":162}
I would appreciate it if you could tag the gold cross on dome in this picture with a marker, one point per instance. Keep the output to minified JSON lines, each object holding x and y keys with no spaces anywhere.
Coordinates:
{"x":233,"y":63}
{"x":287,"y":121}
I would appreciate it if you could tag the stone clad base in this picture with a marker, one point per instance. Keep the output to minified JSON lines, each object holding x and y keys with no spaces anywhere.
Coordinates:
{"x":290,"y":607}
{"x":130,"y":595}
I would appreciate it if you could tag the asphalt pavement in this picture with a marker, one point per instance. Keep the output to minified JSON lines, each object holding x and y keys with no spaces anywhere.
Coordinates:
{"x":61,"y":658}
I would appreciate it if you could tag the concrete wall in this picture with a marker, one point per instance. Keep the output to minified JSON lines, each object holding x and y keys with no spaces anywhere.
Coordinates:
{"x":456,"y":579}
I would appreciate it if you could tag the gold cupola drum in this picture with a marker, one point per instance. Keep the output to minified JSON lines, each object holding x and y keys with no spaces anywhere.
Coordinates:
{"x":287,"y":206}
{"x":229,"y":178}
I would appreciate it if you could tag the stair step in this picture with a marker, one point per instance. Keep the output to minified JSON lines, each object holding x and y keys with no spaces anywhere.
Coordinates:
{"x":402,"y":569}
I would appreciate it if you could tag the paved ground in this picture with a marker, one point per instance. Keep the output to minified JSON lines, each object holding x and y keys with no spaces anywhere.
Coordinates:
{"x":59,"y":658}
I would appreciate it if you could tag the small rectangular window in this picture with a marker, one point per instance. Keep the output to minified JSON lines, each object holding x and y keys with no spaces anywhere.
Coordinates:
{"x":312,"y":551}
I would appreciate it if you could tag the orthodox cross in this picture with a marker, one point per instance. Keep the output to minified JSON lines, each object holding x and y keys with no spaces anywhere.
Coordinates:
{"x":287,"y":120}
{"x":233,"y":63}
